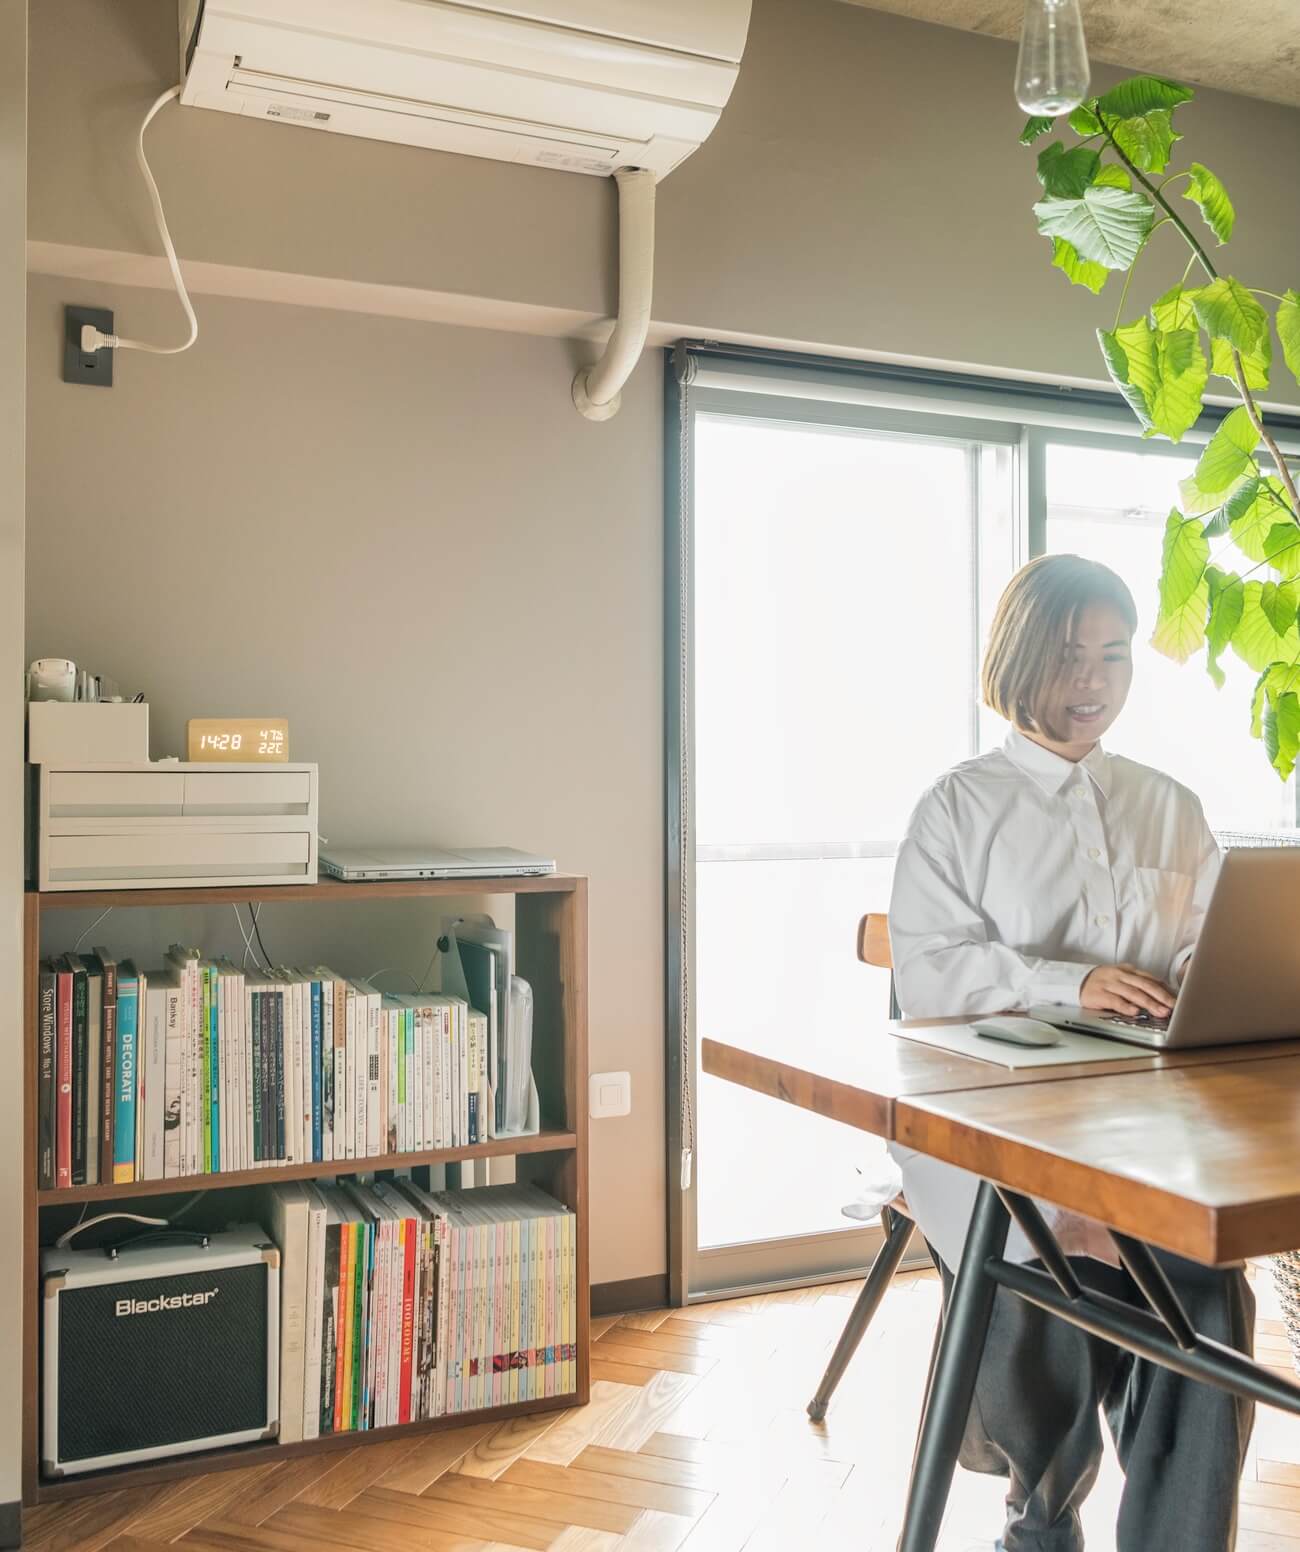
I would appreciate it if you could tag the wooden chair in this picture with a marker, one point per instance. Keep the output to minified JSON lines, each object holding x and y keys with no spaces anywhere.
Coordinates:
{"x":873,"y":949}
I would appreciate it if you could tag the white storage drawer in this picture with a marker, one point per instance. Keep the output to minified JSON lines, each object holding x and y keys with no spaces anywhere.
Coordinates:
{"x":153,"y":854}
{"x":258,"y":792}
{"x":110,"y":794}
{"x":147,"y":826}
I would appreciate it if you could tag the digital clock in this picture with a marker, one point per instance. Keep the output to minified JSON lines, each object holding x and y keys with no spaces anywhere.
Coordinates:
{"x":252,"y":740}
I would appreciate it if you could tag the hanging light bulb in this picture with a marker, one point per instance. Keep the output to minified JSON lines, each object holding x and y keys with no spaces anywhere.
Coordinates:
{"x":1052,"y":71}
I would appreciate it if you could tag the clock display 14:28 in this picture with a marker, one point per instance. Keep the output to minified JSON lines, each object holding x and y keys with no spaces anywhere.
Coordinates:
{"x":253,"y":739}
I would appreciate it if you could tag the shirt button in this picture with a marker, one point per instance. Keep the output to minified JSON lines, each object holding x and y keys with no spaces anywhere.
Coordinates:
{"x":1094,"y":852}
{"x":1103,"y":921}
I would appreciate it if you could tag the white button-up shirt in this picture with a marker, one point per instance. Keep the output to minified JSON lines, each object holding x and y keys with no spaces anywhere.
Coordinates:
{"x":1019,"y":873}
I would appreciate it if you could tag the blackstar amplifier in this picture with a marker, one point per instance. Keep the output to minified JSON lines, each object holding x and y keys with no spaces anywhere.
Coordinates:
{"x":161,"y":1350}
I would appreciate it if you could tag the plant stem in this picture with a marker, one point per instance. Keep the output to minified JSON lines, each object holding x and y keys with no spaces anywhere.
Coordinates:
{"x":1164,"y":204}
{"x":1257,"y":420}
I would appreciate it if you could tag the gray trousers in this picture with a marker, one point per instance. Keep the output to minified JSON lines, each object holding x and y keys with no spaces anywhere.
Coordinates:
{"x":1182,"y":1444}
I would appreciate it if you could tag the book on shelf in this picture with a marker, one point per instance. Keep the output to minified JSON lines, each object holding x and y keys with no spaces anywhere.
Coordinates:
{"x":206,"y":1068}
{"x":400,"y":1304}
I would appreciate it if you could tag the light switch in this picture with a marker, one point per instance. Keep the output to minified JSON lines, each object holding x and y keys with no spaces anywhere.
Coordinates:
{"x":610,"y":1094}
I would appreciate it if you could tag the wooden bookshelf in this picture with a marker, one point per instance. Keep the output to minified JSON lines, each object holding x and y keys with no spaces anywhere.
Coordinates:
{"x":550,"y":953}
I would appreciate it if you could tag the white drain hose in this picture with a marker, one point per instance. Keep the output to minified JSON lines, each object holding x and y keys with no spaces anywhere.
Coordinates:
{"x":597,"y":389}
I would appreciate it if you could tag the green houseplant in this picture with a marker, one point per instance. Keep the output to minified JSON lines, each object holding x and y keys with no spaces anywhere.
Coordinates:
{"x":1231,"y":573}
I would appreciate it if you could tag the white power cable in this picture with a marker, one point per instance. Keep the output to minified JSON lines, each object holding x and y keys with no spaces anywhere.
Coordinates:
{"x":91,"y":338}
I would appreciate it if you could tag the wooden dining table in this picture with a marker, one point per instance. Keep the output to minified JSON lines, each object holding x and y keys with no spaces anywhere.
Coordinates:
{"x":1195,"y":1152}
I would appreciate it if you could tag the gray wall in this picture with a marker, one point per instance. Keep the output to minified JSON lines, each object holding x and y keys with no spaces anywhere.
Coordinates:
{"x":219,"y":526}
{"x":404,"y":540}
{"x":13,"y":284}
{"x":863,"y":190}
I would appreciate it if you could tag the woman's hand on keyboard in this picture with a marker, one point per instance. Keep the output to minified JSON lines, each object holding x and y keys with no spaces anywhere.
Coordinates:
{"x":1126,"y":989}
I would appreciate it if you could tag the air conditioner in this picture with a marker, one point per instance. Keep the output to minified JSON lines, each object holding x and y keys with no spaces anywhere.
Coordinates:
{"x":585,"y":86}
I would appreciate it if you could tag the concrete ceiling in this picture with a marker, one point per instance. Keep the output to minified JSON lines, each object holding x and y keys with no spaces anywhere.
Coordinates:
{"x":1246,"y":46}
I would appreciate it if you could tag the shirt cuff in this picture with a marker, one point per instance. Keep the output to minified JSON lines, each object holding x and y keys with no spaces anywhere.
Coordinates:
{"x":1059,"y":981}
{"x":1181,"y":960}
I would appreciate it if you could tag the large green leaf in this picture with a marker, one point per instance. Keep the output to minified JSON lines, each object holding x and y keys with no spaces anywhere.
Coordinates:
{"x":1174,"y":310}
{"x":1083,"y":121}
{"x":1282,"y":733}
{"x":1065,"y":174}
{"x":1288,"y":329}
{"x":1206,"y":191}
{"x":1106,"y":225}
{"x":1141,"y":94}
{"x":1226,"y":599}
{"x":1162,"y":374}
{"x":1113,"y":176}
{"x":1228,"y":311}
{"x":1277,"y":679}
{"x":1229,"y":453}
{"x":1253,"y":510}
{"x":1282,"y":549}
{"x":1147,"y":139}
{"x":1255,"y":366}
{"x":1186,"y":555}
{"x":1036,"y":125}
{"x":1079,"y":272}
{"x":1278,"y":602}
{"x":1184,"y":589}
{"x":1256,"y":640}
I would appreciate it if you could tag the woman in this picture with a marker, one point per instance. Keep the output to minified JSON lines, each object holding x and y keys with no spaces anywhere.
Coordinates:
{"x":1051,"y":871}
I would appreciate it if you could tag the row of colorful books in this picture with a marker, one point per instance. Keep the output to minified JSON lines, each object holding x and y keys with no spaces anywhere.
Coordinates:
{"x":399,"y":1304}
{"x":199,"y":1067}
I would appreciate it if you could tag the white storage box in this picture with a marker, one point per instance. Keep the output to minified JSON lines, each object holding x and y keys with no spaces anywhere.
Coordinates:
{"x":150,"y":826}
{"x":97,"y":732}
{"x":163,"y":1350}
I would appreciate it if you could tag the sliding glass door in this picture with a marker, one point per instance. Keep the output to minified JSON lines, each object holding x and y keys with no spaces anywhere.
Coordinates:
{"x":838,"y":538}
{"x":836,"y":621}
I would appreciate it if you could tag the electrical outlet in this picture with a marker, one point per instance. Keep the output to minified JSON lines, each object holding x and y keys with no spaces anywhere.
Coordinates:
{"x":609,"y":1094}
{"x":94,"y":367}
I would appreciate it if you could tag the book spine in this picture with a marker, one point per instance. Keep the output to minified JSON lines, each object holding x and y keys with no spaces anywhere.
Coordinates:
{"x":350,"y":1076}
{"x":329,"y":1329}
{"x":374,"y":1135}
{"x":80,"y":1074}
{"x":317,"y":1039}
{"x":340,"y":1069}
{"x":283,"y":1069}
{"x":357,"y":1336}
{"x":222,"y":1070}
{"x":173,"y":1081}
{"x":63,"y":1131}
{"x":311,"y":1382}
{"x":409,"y":1249}
{"x":343,"y":1383}
{"x":155,"y":1083}
{"x":124,"y":1103}
{"x":361,"y":1067}
{"x":205,"y":1073}
{"x":254,"y":1003}
{"x":327,"y":1071}
{"x":471,"y":1093}
{"x":47,"y":1094}
{"x":108,"y":1069}
{"x":401,"y":1108}
{"x":390,"y":1024}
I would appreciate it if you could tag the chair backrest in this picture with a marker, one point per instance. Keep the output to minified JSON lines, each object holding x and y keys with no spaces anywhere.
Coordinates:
{"x":873,"y":941}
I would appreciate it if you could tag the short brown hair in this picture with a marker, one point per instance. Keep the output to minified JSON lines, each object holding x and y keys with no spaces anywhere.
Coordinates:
{"x":1033,"y":624}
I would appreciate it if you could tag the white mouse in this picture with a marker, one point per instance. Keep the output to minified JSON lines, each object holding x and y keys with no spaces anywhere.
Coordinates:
{"x":1017,"y":1031}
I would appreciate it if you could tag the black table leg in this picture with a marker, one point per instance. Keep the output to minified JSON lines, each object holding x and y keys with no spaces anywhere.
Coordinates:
{"x":961,"y":1347}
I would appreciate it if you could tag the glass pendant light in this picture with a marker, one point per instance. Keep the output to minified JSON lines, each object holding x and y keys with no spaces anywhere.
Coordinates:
{"x":1052,"y":71}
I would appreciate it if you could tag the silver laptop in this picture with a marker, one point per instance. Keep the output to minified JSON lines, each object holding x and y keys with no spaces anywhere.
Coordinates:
{"x":1243,"y":983}
{"x":358,"y":863}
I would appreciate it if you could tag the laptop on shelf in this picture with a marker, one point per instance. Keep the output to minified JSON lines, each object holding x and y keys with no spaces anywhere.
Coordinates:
{"x":356,"y":864}
{"x":1243,"y":982}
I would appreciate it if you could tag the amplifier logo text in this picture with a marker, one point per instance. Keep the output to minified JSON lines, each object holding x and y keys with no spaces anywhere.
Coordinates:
{"x":163,"y":1302}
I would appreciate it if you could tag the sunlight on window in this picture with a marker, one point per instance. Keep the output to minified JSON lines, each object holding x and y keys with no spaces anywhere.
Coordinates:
{"x":1111,"y":506}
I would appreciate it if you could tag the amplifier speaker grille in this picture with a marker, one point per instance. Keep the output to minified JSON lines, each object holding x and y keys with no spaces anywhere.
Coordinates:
{"x":138,"y":1381}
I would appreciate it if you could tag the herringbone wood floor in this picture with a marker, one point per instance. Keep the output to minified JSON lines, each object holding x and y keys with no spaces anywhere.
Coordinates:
{"x":695,"y":1439}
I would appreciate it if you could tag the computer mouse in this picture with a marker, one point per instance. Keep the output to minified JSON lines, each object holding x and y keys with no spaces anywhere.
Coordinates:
{"x":1017,"y":1031}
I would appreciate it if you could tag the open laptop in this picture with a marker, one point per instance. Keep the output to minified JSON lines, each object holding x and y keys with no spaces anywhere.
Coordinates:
{"x":1243,"y":982}
{"x":359,"y":863}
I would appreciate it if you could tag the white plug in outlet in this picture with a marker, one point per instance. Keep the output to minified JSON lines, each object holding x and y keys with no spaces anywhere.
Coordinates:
{"x":609,"y":1094}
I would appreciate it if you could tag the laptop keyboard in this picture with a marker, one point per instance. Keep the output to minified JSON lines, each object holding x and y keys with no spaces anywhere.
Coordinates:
{"x":1159,"y":1024}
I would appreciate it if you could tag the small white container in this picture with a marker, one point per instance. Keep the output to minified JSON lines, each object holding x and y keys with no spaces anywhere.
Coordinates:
{"x":93,"y":732}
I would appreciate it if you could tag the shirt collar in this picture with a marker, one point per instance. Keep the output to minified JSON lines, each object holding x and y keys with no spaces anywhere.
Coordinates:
{"x":1051,"y":771}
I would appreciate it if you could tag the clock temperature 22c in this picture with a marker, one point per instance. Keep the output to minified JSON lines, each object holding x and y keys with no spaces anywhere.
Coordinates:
{"x":247,"y":739}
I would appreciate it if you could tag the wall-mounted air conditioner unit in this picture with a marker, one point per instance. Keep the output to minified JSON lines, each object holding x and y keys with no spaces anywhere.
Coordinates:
{"x":579,"y":85}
